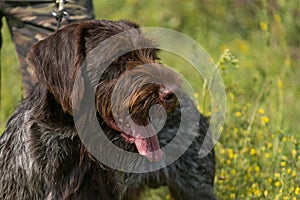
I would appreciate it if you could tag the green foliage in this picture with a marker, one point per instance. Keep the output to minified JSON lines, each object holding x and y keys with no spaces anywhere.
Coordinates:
{"x":258,"y":154}
{"x":11,"y":85}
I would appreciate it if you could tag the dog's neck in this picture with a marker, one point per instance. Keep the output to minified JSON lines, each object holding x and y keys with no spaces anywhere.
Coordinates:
{"x":46,"y":108}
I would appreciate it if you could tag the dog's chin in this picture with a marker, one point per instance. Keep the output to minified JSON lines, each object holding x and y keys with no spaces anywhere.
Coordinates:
{"x":144,"y":138}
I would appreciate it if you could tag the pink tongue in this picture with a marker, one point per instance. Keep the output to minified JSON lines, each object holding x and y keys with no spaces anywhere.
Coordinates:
{"x":146,"y":142}
{"x":149,"y":147}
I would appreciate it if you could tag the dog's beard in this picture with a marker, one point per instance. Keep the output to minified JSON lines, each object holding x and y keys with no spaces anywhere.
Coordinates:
{"x":144,"y":137}
{"x":125,"y":101}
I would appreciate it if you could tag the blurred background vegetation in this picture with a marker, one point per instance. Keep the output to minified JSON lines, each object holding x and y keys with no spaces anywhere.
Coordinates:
{"x":258,"y":153}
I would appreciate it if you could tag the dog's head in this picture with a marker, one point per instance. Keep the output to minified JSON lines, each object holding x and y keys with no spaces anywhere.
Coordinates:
{"x":127,"y":89}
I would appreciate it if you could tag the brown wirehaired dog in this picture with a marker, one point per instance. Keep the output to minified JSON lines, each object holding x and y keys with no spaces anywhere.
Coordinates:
{"x":42,"y":155}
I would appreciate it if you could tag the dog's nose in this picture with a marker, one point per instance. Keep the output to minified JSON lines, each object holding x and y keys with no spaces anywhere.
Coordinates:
{"x":166,"y":95}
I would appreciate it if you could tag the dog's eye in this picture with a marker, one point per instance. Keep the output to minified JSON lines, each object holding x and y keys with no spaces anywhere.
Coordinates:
{"x":131,"y":59}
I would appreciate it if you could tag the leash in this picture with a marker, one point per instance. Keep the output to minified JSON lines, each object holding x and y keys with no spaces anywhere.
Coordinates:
{"x":60,"y":12}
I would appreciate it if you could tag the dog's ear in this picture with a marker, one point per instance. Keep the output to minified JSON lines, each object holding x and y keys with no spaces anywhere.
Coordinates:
{"x":57,"y":59}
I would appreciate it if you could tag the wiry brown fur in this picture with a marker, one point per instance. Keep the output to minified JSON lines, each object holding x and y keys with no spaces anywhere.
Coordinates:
{"x":136,"y":94}
{"x":41,"y":154}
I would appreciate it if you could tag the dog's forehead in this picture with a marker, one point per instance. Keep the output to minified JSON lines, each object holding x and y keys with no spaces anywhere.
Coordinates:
{"x":118,"y":34}
{"x":150,"y":75}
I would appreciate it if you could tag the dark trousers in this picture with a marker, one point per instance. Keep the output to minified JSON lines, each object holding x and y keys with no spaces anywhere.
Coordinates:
{"x":31,"y":20}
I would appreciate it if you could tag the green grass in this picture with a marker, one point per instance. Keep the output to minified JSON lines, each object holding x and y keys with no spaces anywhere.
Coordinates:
{"x":258,"y":153}
{"x":11,"y":85}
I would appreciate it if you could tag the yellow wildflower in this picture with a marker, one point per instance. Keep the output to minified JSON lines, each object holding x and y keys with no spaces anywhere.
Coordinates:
{"x":265,"y":119}
{"x":252,"y":151}
{"x":228,"y":162}
{"x":168,"y":196}
{"x":277,"y":184}
{"x":223,"y":173}
{"x":230,"y":153}
{"x":244,"y":48}
{"x":263,"y":26}
{"x":257,"y":193}
{"x":277,"y":18}
{"x":267,"y":155}
{"x":222,"y":151}
{"x":270,"y":145}
{"x":294,"y":152}
{"x":246,"y":132}
{"x":232,"y":195}
{"x":284,"y":158}
{"x":283,"y":164}
{"x":250,"y":169}
{"x":287,"y":62}
{"x":238,"y":114}
{"x":261,"y":111}
{"x":270,"y":180}
{"x":231,"y":95}
{"x":280,"y":84}
{"x":257,"y":168}
{"x":254,"y":185}
{"x":233,"y":172}
{"x":272,"y":135}
{"x":235,"y":130}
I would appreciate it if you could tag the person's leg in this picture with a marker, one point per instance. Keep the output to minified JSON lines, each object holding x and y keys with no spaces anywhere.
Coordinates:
{"x":30,"y":22}
{"x":0,"y":55}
